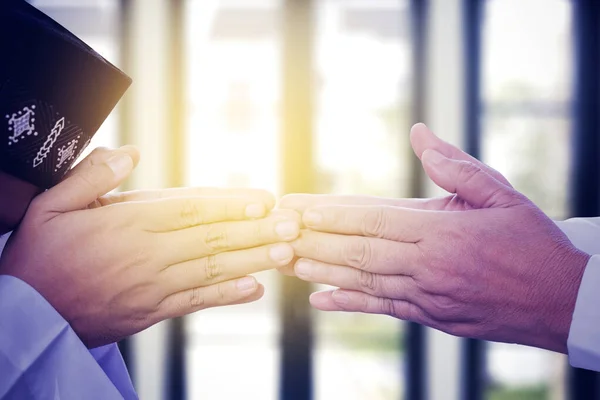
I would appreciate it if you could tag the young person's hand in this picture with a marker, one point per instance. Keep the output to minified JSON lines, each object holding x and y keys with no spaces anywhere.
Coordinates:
{"x":115,"y":265}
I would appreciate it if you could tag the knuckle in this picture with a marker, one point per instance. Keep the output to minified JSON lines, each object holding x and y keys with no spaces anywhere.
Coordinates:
{"x":258,"y":232}
{"x":441,"y":285}
{"x":367,"y":281}
{"x":320,"y":250}
{"x":190,"y":213}
{"x":216,"y":239}
{"x":374,"y":222}
{"x":221,"y":293}
{"x":444,"y":308}
{"x":308,"y":246}
{"x":414,"y":314}
{"x":197,"y":299}
{"x":212,"y":268}
{"x":468,"y":170}
{"x":359,"y":254}
{"x":496,"y":195}
{"x":387,"y":306}
{"x":364,"y":304}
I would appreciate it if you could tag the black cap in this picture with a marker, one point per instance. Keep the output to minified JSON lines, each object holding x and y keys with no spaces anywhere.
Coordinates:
{"x":55,"y":92}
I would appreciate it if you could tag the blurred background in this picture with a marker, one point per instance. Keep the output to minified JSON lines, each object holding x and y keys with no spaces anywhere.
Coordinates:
{"x":319,"y":96}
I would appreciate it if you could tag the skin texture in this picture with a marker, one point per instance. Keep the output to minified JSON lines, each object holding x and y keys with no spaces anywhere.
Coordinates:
{"x":113,"y":265}
{"x":483,"y":262}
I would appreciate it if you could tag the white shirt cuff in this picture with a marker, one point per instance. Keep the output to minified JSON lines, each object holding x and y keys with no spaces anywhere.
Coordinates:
{"x":584,"y":334}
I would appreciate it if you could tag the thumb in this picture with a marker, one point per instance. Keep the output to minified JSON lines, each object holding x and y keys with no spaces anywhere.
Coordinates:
{"x":90,"y":180}
{"x":100,"y":155}
{"x":468,"y":181}
{"x":422,"y":138}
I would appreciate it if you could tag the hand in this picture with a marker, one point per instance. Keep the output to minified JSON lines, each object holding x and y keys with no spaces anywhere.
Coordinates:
{"x":421,"y":139}
{"x":487,"y":264}
{"x":115,"y":265}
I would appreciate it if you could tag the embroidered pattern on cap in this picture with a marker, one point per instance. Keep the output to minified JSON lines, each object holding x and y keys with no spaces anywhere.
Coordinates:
{"x":66,"y":153}
{"x":50,"y":140}
{"x":21,"y":124}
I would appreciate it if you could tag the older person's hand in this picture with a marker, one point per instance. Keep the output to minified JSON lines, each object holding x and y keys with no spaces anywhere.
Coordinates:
{"x":483,"y":263}
{"x":114,"y":265}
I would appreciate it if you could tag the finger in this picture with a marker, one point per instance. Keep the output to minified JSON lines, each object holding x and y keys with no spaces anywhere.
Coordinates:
{"x":185,"y":212}
{"x":422,"y":138}
{"x":260,"y":292}
{"x":89,"y":182}
{"x":210,"y":239}
{"x":302,"y":202}
{"x":196,"y":299}
{"x":390,"y":286}
{"x":226,"y":266}
{"x":468,"y":181}
{"x":379,"y":256}
{"x":288,"y":269}
{"x":102,"y":154}
{"x":392,"y":223}
{"x":259,"y":195}
{"x":353,"y":301}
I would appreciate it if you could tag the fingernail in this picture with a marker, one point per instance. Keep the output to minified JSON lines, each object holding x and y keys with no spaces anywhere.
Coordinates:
{"x":434,"y":157}
{"x":318,"y":299}
{"x":281,"y":253}
{"x":418,"y":125}
{"x":287,"y":230}
{"x":246,"y":284}
{"x":256,"y":210}
{"x":340,"y":298}
{"x":121,"y":164}
{"x":303,"y":268}
{"x":312,"y":218}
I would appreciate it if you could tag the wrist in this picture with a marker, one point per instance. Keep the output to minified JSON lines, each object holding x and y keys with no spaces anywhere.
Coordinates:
{"x":566,"y":268}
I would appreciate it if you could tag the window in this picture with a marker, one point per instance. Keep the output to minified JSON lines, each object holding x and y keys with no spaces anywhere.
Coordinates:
{"x":233,"y":85}
{"x":363,"y":103}
{"x":525,"y":135}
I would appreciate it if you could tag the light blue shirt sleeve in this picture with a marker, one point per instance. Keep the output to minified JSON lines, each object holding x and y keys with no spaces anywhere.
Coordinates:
{"x":584,"y":335}
{"x":41,"y":357}
{"x":110,"y":360}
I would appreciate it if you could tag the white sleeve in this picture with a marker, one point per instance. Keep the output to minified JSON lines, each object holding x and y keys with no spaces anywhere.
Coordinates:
{"x":584,"y":334}
{"x":584,"y":233}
